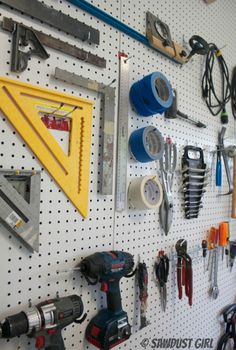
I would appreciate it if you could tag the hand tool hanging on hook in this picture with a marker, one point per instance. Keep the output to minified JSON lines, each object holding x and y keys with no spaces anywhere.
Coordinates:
{"x":194,"y":174}
{"x":57,"y":19}
{"x":167,"y":168}
{"x":231,"y":153}
{"x":114,"y":22}
{"x":142,"y":276}
{"x":161,"y":270}
{"x":122,"y":132}
{"x":232,"y":254}
{"x":107,"y":93}
{"x":9,"y":25}
{"x":215,"y":289}
{"x":223,"y":236}
{"x":19,"y":205}
{"x":204,"y":253}
{"x":184,"y":270}
{"x":23,"y":36}
{"x":173,"y":113}
{"x":221,"y":148}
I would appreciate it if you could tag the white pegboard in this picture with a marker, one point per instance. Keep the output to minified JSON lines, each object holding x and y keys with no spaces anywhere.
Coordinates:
{"x":65,"y":237}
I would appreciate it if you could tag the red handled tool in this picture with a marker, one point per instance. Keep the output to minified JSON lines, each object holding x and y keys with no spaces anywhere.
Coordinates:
{"x":184,"y":270}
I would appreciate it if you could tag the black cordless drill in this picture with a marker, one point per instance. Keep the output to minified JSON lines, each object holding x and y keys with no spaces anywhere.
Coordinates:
{"x":110,"y":326}
{"x":44,"y":322}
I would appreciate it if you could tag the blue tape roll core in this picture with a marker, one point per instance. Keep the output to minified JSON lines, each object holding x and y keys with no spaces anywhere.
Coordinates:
{"x":146,"y":144}
{"x":151,"y":95}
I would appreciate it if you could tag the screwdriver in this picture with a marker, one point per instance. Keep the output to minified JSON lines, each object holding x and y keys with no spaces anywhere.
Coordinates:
{"x":204,"y":253}
{"x":218,"y":169}
{"x":210,"y":245}
{"x":232,"y":253}
{"x":223,"y":236}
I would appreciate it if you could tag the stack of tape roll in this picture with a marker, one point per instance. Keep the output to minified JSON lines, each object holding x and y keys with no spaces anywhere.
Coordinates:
{"x":146,"y":144}
{"x":151,"y":95}
{"x":145,"y":192}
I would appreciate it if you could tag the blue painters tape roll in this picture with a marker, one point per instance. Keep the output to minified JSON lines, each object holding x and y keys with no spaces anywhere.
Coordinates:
{"x":151,"y":95}
{"x":146,"y":144}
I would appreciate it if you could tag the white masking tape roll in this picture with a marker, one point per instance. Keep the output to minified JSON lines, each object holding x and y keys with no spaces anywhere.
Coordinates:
{"x":145,"y":192}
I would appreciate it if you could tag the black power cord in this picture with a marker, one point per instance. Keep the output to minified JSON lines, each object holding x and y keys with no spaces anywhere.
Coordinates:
{"x":233,"y":93}
{"x":215,"y":103}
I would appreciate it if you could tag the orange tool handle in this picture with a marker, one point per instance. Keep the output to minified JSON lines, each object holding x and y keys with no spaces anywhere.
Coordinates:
{"x":233,"y":213}
{"x":223,"y":234}
{"x":211,"y":238}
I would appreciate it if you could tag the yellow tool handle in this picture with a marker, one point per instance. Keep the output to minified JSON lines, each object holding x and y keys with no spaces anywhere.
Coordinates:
{"x":233,"y":214}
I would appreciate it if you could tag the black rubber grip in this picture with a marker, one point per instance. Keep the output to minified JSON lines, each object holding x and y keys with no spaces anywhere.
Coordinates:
{"x":15,"y":325}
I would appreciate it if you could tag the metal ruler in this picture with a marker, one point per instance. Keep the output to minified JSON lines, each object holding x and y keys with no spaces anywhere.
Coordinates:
{"x":57,"y":44}
{"x":19,"y":205}
{"x":122,"y":138}
{"x":55,"y":18}
{"x":108,"y":96}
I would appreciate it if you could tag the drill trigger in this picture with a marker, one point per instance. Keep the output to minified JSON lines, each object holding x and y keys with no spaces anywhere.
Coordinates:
{"x":92,"y":283}
{"x":132,"y":273}
{"x":81,"y":320}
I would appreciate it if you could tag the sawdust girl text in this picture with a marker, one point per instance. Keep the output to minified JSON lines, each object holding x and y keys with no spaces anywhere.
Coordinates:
{"x":177,"y":343}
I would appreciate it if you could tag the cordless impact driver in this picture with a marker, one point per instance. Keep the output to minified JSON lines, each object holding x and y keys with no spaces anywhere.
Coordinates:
{"x":110,"y":326}
{"x":45,"y":322}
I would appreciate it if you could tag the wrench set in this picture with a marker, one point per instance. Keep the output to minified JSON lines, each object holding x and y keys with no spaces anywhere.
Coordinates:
{"x":194,"y":176}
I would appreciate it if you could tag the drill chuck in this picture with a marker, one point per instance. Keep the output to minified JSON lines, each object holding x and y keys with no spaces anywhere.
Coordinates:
{"x":14,"y":326}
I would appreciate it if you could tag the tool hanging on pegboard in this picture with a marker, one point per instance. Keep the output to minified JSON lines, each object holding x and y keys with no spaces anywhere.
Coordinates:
{"x":173,"y":112}
{"x":45,"y":321}
{"x":19,"y":205}
{"x":28,"y":33}
{"x":184,"y":271}
{"x":167,"y":167}
{"x":221,"y":152}
{"x":161,"y":271}
{"x":110,"y":326}
{"x":108,"y":98}
{"x":214,"y":265}
{"x":23,"y":36}
{"x":142,"y":276}
{"x":122,"y":133}
{"x":194,"y":178}
{"x":178,"y":56}
{"x":159,"y":36}
{"x":27,"y":102}
{"x":54,"y":18}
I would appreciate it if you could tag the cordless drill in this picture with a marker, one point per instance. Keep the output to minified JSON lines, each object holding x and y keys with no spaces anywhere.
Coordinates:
{"x":110,"y":326}
{"x":44,"y":322}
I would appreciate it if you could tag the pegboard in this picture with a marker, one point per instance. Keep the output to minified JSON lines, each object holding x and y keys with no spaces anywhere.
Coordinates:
{"x":65,"y":237}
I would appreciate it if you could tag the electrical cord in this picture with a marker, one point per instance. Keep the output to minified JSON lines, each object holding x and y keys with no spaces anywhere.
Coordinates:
{"x":233,"y":93}
{"x":215,"y":103}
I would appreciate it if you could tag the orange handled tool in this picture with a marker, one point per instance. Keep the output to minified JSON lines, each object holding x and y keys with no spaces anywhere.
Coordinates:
{"x":211,"y":246}
{"x":223,"y":236}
